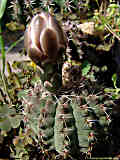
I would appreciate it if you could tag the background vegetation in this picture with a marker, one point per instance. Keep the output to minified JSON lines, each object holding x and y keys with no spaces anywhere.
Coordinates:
{"x":90,"y":98}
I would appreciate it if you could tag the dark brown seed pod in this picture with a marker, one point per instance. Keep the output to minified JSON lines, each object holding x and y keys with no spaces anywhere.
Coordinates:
{"x":44,"y":39}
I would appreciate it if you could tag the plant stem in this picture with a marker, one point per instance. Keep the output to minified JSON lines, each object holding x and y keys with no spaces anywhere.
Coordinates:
{"x":5,"y":86}
{"x":3,"y":63}
{"x":111,"y":31}
{"x":2,"y":49}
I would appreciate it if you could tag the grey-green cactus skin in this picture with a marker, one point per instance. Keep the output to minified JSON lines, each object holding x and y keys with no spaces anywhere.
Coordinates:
{"x":92,"y":121}
{"x":46,"y":120}
{"x":39,"y":114}
{"x":83,"y":129}
{"x":71,"y":123}
{"x":65,"y":132}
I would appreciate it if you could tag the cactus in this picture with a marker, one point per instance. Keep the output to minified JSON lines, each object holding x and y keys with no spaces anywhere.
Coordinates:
{"x":91,"y":122}
{"x":39,"y":113}
{"x":66,"y":140}
{"x":54,"y":127}
{"x":70,"y":124}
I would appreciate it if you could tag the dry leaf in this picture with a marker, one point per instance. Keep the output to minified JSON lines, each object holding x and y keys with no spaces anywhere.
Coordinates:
{"x":87,"y":27}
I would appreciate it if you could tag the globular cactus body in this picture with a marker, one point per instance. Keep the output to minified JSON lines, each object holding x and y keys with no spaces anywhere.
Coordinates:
{"x":71,"y":124}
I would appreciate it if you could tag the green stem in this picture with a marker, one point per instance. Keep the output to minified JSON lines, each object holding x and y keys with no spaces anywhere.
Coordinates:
{"x":2,"y":49}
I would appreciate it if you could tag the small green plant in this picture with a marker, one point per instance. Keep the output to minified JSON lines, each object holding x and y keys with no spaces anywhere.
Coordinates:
{"x":107,"y":19}
{"x":114,"y":92}
{"x":9,"y":118}
{"x":86,"y":66}
{"x":3,"y":4}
